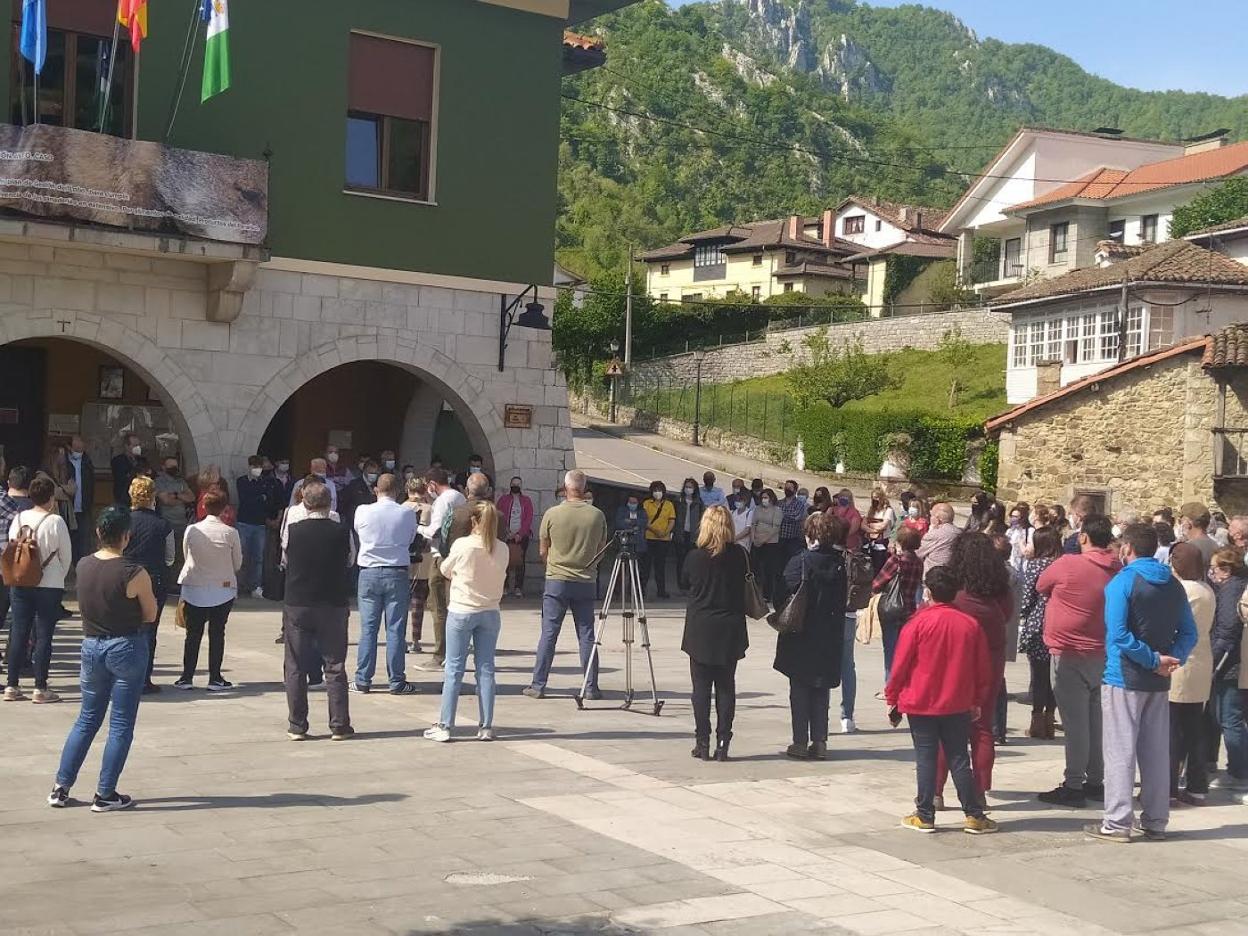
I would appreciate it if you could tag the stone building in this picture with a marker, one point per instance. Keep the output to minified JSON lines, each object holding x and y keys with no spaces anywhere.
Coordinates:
{"x":1160,"y":429}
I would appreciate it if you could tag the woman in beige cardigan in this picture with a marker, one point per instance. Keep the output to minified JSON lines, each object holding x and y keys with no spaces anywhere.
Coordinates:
{"x":1191,"y":683}
{"x":214,"y":554}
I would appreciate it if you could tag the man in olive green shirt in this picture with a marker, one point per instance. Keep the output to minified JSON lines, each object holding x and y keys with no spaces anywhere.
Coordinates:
{"x":571,"y":537}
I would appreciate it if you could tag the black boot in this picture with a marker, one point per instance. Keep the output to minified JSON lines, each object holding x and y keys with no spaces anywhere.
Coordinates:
{"x":701,"y":749}
{"x":721,"y":748}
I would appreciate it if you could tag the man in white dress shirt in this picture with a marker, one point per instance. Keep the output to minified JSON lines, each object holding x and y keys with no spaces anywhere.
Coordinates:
{"x":445,"y":500}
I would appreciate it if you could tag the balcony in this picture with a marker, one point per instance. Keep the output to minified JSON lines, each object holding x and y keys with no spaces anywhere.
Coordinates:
{"x":992,"y":277}
{"x":1230,"y":454}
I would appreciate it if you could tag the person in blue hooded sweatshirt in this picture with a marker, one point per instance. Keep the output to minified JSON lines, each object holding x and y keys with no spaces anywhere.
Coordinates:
{"x":1149,"y":632}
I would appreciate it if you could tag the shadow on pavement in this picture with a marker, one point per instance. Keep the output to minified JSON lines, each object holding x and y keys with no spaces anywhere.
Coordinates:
{"x":269,"y":800}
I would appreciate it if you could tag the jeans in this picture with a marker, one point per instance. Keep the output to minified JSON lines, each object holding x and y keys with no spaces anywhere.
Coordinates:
{"x":849,"y":675}
{"x":890,"y":633}
{"x":196,"y":618}
{"x":315,"y":637}
{"x":480,"y":630}
{"x":384,"y":592}
{"x":983,"y":750}
{"x":112,"y":675}
{"x":557,"y":599}
{"x":1077,"y":688}
{"x":808,"y":706}
{"x":1234,"y":731}
{"x":35,"y":610}
{"x":1187,"y":747}
{"x":943,"y":738}
{"x":723,"y":677}
{"x":655,"y":557}
{"x":252,"y":573}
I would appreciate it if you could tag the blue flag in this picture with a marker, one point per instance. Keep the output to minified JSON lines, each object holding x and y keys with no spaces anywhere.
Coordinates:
{"x":34,"y":39}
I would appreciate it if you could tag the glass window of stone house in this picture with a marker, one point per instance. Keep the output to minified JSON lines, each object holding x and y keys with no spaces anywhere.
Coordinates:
{"x":1058,"y":234}
{"x":855,"y":224}
{"x":1135,"y":331}
{"x":1089,"y":334}
{"x":1148,"y":229}
{"x":73,"y":83}
{"x":390,"y":116}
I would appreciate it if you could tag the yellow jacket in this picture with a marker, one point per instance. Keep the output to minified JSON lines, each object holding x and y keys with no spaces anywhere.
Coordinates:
{"x":660,"y":518}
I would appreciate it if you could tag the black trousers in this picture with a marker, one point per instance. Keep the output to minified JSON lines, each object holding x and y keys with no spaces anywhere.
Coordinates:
{"x":655,"y":557}
{"x":316,"y":638}
{"x":161,"y":598}
{"x":768,"y":564}
{"x":682,"y":544}
{"x":723,"y":678}
{"x":1042,"y":698}
{"x":930,"y":734}
{"x":1188,"y":748}
{"x":215,"y":619}
{"x":809,"y":707}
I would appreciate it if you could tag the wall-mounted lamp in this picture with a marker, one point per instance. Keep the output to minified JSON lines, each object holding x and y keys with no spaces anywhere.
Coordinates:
{"x":533,"y":316}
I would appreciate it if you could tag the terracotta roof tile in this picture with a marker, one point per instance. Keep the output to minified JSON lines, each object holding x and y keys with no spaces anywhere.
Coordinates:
{"x":579,"y":41}
{"x":906,"y":217}
{"x":1104,"y":184}
{"x":1235,"y":225}
{"x":1177,"y":261}
{"x":1227,"y":348}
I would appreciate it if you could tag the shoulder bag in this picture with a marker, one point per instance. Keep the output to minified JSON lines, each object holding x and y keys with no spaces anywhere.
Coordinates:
{"x":755,"y":605}
{"x":791,"y":619}
{"x":892,"y":607}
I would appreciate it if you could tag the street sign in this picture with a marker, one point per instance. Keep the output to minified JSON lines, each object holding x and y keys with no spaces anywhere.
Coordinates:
{"x":615,"y":368}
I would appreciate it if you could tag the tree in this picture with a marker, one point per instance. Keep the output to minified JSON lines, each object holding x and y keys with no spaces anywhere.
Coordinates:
{"x":824,"y":373}
{"x":958,"y":353}
{"x":943,"y":287}
{"x":1227,"y":202}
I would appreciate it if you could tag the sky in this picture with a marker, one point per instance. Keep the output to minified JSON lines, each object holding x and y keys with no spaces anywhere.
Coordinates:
{"x":1156,"y":45}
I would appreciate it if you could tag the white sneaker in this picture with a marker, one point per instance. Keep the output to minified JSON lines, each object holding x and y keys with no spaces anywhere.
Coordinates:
{"x":517,"y":593}
{"x":485,"y":734}
{"x":1224,"y":781}
{"x":848,"y":726}
{"x":438,"y":733}
{"x":257,"y":593}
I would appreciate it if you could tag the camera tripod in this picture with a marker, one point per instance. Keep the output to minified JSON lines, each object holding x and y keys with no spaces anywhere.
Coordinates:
{"x":624,"y":584}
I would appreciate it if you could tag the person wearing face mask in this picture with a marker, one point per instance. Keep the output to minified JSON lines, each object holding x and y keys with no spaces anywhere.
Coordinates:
{"x":360,"y":491}
{"x":689,"y":509}
{"x":515,"y":509}
{"x":125,"y":467}
{"x":256,"y":498}
{"x":1019,"y":533}
{"x":1193,"y":527}
{"x":756,"y":490}
{"x":82,"y":474}
{"x":793,"y":514}
{"x":844,"y":510}
{"x":916,"y":516}
{"x":711,"y":495}
{"x":387,"y":461}
{"x":660,"y":522}
{"x":1229,"y":577}
{"x":335,"y":473}
{"x":318,"y":468}
{"x":738,"y":488}
{"x":282,"y":475}
{"x":765,"y":542}
{"x":175,"y":501}
{"x":476,"y":465}
{"x":743,"y":519}
{"x":631,"y":516}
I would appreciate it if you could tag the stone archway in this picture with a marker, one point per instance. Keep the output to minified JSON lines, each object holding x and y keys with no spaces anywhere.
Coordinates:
{"x":480,"y":417}
{"x":198,"y":434}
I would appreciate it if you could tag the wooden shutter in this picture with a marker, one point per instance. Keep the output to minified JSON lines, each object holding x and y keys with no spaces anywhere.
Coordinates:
{"x":391,"y":77}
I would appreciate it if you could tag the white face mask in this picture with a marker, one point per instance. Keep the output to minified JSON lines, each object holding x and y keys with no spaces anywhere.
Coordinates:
{"x":136,"y":450}
{"x":283,"y":467}
{"x":370,"y":478}
{"x":913,"y":511}
{"x":332,"y":458}
{"x":255,"y":472}
{"x":689,"y":492}
{"x":389,"y":464}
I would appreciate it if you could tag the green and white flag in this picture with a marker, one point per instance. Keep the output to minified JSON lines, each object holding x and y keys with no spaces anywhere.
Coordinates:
{"x":217,"y":49}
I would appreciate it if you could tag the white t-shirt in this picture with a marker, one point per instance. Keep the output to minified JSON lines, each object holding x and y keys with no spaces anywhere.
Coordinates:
{"x":742,"y":521}
{"x":52,"y":538}
{"x":476,"y":574}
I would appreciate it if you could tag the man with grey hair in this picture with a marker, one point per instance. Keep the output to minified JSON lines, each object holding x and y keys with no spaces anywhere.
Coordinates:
{"x":571,"y":536}
{"x":317,"y":468}
{"x":936,"y":550}
{"x":1237,"y":532}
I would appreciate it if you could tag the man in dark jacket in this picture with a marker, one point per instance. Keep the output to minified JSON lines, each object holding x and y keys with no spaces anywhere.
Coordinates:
{"x":255,"y":507}
{"x":83,"y":473}
{"x":1149,"y":632}
{"x":125,"y":466}
{"x":151,"y":546}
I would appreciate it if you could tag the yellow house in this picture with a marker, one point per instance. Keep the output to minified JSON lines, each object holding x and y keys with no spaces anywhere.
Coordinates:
{"x":760,"y":259}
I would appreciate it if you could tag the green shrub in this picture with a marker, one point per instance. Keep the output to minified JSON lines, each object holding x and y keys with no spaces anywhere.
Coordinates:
{"x":988,"y":462}
{"x":937,"y":448}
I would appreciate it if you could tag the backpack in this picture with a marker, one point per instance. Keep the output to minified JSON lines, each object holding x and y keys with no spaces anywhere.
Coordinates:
{"x":859,"y":574}
{"x":20,"y":564}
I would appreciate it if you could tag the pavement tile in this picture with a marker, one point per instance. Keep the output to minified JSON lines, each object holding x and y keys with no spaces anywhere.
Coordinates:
{"x":882,"y":922}
{"x":834,"y":907}
{"x":697,"y":910}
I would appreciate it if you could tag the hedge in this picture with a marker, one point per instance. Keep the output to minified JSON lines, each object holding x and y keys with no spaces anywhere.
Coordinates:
{"x":937,"y":449}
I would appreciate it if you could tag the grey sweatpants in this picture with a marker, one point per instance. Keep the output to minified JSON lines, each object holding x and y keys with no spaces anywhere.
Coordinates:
{"x":1077,"y":688}
{"x":1137,"y":730}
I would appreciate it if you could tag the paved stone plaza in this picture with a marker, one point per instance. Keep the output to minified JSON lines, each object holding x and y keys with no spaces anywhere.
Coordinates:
{"x":570,"y":823}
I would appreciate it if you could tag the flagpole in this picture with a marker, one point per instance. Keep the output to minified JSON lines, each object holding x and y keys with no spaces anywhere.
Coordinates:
{"x":188,"y":55}
{"x":112,"y":62}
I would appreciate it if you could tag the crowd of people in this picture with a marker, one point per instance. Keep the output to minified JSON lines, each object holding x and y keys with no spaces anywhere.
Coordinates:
{"x":1132,"y":628}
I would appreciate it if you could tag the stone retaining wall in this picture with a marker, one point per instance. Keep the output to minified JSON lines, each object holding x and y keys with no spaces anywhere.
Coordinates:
{"x":774,"y":352}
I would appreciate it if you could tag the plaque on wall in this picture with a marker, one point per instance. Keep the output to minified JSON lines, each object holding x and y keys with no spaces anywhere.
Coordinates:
{"x":63,"y":423}
{"x":518,"y":417}
{"x":340,"y":438}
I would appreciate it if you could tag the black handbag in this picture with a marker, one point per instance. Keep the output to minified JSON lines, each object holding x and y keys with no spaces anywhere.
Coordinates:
{"x":755,"y":605}
{"x":791,"y":619}
{"x":892,"y":607}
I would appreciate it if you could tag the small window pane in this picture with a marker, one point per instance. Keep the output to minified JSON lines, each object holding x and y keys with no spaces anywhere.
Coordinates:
{"x":407,"y":156}
{"x":364,"y":152}
{"x":51,"y":83}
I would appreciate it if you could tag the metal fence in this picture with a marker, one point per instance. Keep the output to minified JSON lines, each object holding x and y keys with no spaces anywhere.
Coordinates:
{"x":734,"y":407}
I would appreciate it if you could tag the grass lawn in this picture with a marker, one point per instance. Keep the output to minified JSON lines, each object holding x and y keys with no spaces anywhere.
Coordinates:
{"x":763,"y":407}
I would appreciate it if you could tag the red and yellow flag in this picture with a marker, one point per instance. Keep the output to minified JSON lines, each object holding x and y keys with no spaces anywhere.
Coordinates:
{"x":133,"y":11}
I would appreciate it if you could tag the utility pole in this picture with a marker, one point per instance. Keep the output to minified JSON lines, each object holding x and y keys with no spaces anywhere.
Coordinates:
{"x":628,"y":311}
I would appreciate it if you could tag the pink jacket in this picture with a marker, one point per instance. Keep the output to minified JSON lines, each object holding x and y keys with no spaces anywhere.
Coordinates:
{"x":526,"y":516}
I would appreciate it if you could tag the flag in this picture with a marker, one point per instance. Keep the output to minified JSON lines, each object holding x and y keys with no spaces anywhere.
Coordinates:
{"x":133,"y":15}
{"x":34,"y":39}
{"x":216,"y":49}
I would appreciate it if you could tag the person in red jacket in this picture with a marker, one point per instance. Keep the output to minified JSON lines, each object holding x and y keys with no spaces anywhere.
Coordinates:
{"x":942,"y":671}
{"x":1074,"y":633}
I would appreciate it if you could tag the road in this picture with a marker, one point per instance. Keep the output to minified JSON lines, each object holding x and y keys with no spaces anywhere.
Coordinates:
{"x":607,"y":458}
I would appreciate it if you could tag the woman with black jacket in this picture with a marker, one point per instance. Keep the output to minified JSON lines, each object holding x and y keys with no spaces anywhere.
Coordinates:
{"x":1229,"y":577}
{"x":715,"y":634}
{"x":811,"y":658}
{"x":689,"y":510}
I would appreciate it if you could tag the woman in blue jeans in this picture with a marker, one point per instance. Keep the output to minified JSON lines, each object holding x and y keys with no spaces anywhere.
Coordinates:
{"x":118,"y":607}
{"x":476,"y":569}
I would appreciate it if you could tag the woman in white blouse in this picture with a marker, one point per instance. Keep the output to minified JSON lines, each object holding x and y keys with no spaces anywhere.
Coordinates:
{"x":36,"y":608}
{"x":477,"y":570}
{"x":209,"y":581}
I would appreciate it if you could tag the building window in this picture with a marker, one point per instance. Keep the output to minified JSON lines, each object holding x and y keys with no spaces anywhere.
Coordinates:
{"x":1160,"y":328}
{"x":692,"y":297}
{"x":790,"y":257}
{"x":788,"y":287}
{"x":1087,"y":338}
{"x":1058,"y":234}
{"x":756,"y":293}
{"x":662,"y":297}
{"x":665,"y":269}
{"x":1118,"y":231}
{"x":73,"y":83}
{"x":854,"y":225}
{"x":1148,"y":229}
{"x":879,"y":225}
{"x":758,"y":259}
{"x":705,"y":255}
{"x":1109,"y":335}
{"x":390,"y":117}
{"x":1135,"y":331}
{"x":1053,"y":343}
{"x":1013,"y":255}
